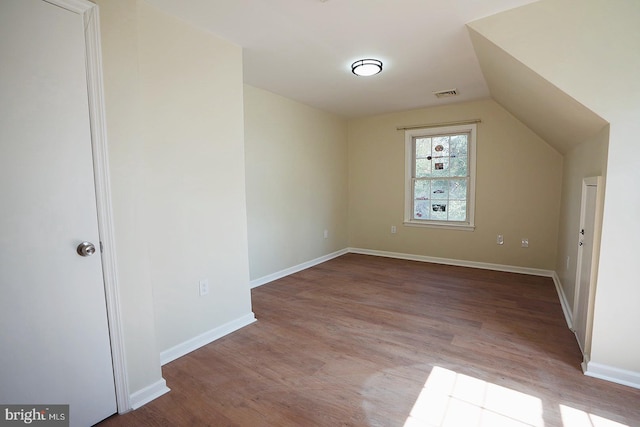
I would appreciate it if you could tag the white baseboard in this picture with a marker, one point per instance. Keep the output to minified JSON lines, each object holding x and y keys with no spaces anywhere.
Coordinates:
{"x":195,"y":343}
{"x":610,"y":373}
{"x":147,"y":394}
{"x":564,"y":303}
{"x":296,"y":268}
{"x":456,"y":262}
{"x":423,"y":258}
{"x":585,"y":363}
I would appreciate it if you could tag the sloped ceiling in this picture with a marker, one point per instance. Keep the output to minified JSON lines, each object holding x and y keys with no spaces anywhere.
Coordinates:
{"x":555,"y":116}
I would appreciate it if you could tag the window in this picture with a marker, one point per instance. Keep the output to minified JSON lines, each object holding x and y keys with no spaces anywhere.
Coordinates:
{"x":440,"y":176}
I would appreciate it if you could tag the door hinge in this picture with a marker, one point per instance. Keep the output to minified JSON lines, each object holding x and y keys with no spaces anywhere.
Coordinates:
{"x":101,"y":248}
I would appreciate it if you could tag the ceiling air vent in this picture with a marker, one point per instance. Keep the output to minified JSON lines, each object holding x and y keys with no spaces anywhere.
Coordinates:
{"x":446,"y":93}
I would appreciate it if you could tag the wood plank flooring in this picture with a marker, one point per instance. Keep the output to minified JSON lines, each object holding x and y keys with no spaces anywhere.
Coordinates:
{"x":370,"y":341}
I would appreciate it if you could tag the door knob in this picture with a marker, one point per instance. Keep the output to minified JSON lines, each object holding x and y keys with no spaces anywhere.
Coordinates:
{"x":86,"y":249}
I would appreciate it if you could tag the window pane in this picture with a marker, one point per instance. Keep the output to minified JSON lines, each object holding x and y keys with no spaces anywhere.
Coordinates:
{"x":458,"y":189}
{"x":440,"y":146}
{"x":421,"y":189}
{"x":423,"y":147}
{"x":423,"y":168}
{"x":459,"y":145}
{"x":458,"y":166}
{"x":421,"y":209}
{"x":458,"y":210}
{"x":440,"y":167}
{"x":440,"y":156}
{"x":440,"y":190}
{"x":439,"y":210}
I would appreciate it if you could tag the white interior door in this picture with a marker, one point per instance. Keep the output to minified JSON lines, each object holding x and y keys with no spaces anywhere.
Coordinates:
{"x":54,"y":336}
{"x":584,"y":276}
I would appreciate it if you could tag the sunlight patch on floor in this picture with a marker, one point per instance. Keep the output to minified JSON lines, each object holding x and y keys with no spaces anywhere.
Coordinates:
{"x":452,"y":399}
{"x":572,"y":417}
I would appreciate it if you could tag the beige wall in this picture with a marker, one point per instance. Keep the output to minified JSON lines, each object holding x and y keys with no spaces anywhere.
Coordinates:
{"x":175,"y":123}
{"x":589,"y":49}
{"x":296,"y":172}
{"x":191,"y":86}
{"x":518,"y":189}
{"x":586,"y":160}
{"x":119,"y":33}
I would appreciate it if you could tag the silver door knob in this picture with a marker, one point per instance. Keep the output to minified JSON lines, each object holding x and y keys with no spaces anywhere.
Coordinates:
{"x":86,"y":249}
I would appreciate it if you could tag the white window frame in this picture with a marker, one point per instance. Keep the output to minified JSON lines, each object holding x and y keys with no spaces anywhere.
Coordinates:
{"x":409,"y":151}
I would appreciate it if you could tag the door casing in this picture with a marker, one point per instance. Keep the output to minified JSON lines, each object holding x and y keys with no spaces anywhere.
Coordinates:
{"x":97,"y":118}
{"x":597,"y":182}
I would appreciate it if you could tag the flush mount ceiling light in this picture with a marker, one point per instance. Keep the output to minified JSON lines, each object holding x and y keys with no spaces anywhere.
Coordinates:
{"x":366,"y":67}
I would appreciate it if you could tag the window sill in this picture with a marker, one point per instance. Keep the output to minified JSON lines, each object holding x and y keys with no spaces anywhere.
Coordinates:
{"x":440,"y":225}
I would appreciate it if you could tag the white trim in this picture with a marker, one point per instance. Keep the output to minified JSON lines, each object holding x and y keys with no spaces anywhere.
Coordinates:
{"x":585,"y":363}
{"x":410,"y":257}
{"x":97,"y":118}
{"x":296,"y":268}
{"x":564,"y":303}
{"x":595,"y":181}
{"x":456,"y":262}
{"x":149,"y":393}
{"x":439,"y":125}
{"x":482,"y":265}
{"x":76,"y":6}
{"x":423,"y":258}
{"x":610,"y":373}
{"x":441,"y":225}
{"x":201,"y":340}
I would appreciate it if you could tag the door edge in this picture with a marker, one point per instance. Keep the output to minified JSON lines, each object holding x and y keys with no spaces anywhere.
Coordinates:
{"x":97,"y":118}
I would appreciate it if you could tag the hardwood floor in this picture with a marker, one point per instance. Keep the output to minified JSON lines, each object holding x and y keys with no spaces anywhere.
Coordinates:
{"x":360,"y":340}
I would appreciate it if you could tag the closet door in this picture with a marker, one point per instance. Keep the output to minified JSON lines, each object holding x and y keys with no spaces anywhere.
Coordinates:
{"x":54,"y":334}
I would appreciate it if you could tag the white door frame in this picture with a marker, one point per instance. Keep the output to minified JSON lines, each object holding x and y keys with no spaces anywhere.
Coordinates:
{"x":97,"y":118}
{"x":598,"y":182}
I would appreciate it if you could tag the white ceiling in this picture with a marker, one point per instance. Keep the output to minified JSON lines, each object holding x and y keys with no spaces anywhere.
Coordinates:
{"x":302,"y":49}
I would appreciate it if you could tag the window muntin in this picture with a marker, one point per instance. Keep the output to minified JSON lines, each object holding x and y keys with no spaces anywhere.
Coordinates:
{"x":440,"y":176}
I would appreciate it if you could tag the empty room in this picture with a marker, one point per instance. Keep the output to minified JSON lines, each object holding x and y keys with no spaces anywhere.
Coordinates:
{"x":320,"y":213}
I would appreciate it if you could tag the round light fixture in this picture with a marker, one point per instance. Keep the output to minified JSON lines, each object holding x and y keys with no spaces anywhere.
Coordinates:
{"x":366,"y":67}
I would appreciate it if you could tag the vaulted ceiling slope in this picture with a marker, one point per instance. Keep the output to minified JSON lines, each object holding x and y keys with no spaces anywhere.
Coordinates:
{"x":555,"y":116}
{"x":303,"y":49}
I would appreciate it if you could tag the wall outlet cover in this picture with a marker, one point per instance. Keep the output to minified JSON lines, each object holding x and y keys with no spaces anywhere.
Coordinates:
{"x":203,"y":287}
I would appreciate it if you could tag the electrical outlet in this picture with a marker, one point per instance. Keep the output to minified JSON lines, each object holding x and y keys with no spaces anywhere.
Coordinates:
{"x":393,"y":229}
{"x":500,"y":239}
{"x":326,"y":234}
{"x":203,"y":287}
{"x":525,"y":243}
